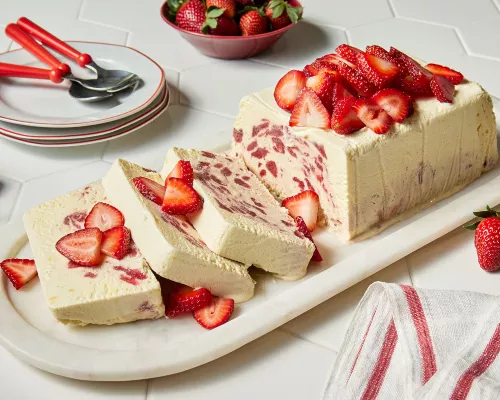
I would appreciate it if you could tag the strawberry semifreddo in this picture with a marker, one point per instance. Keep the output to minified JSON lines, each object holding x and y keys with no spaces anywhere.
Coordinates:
{"x":240,"y":219}
{"x":99,"y":289}
{"x":398,"y":138}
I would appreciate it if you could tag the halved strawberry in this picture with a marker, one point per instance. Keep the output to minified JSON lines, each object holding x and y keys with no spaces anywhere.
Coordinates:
{"x":116,"y":242}
{"x":442,"y":88}
{"x":379,"y":52}
{"x":288,"y":88}
{"x":19,"y":271}
{"x":453,"y":76}
{"x":321,"y":65}
{"x":301,"y":225}
{"x":395,"y":102}
{"x":356,"y":80}
{"x":214,"y":314}
{"x":310,"y":111}
{"x":83,"y":247}
{"x":374,"y":117}
{"x":418,"y":72}
{"x":310,"y":70}
{"x":183,"y":170}
{"x":339,"y":93}
{"x":150,"y":189}
{"x":349,"y":53}
{"x":104,"y":217}
{"x":180,"y":198}
{"x":378,"y":71}
{"x":344,"y":118}
{"x":322,"y":84}
{"x":411,"y":86}
{"x":305,"y":204}
{"x":185,"y":299}
{"x":335,"y":59}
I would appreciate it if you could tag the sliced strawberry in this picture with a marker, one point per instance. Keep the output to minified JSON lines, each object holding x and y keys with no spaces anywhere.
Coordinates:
{"x":335,"y":59}
{"x":378,"y":71}
{"x":394,"y":102}
{"x":344,"y":118}
{"x":411,"y":86}
{"x":321,"y":65}
{"x":374,"y":117}
{"x":288,"y":88}
{"x":104,"y":217}
{"x":418,"y":73}
{"x":185,"y":299}
{"x":356,"y":80}
{"x":442,"y":88}
{"x":19,"y":271}
{"x":322,"y":84}
{"x":310,"y":111}
{"x":180,"y":198}
{"x":309,"y":70}
{"x":83,"y":247}
{"x":301,"y":225}
{"x":379,"y":52}
{"x":215,"y":314}
{"x":339,"y":93}
{"x":183,"y":170}
{"x":305,"y":204}
{"x":150,"y":189}
{"x":116,"y":242}
{"x":453,"y":76}
{"x":349,"y":53}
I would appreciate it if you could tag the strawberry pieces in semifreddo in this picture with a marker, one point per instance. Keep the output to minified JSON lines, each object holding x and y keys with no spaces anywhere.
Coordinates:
{"x":19,"y":271}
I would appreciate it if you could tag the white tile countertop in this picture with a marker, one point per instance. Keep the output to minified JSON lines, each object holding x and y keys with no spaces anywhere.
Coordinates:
{"x":293,"y":361}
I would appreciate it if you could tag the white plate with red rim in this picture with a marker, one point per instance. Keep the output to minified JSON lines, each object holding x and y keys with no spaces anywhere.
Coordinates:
{"x":148,"y":349}
{"x":40,"y":103}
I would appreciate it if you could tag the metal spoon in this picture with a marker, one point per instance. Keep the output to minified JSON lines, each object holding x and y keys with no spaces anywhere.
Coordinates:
{"x":105,"y":77}
{"x":92,"y":96}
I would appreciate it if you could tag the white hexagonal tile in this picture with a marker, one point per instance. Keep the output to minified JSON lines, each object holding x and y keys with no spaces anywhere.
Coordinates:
{"x":60,"y":18}
{"x":428,"y":42}
{"x":172,"y":78}
{"x":148,"y":32}
{"x":179,"y":126}
{"x":39,"y":190}
{"x":346,"y":13}
{"x":481,"y":38}
{"x":302,"y":44}
{"x":326,"y":324}
{"x":22,"y":382}
{"x":448,"y":12}
{"x":9,"y":190}
{"x":276,"y":366}
{"x":220,"y":86}
{"x":23,"y":162}
{"x":451,"y":263}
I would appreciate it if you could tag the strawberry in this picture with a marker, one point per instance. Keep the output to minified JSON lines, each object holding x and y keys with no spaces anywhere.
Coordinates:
{"x":410,"y":85}
{"x":335,"y":59}
{"x":310,"y":111}
{"x":356,"y":80}
{"x":310,"y":70}
{"x":322,"y":65}
{"x":394,"y":102}
{"x":379,"y":52}
{"x":372,"y":115}
{"x":19,"y":271}
{"x":453,"y":76}
{"x":116,"y":242}
{"x":282,"y":14}
{"x":301,"y":225}
{"x":191,"y":16}
{"x":349,"y":53}
{"x":182,"y":170}
{"x":224,"y":26}
{"x":288,"y":88}
{"x":83,"y":247}
{"x":253,"y":23}
{"x":305,"y":204}
{"x":104,"y":217}
{"x":378,"y":71}
{"x":245,"y":2}
{"x":185,"y":299}
{"x":419,"y":73}
{"x":487,"y":239}
{"x":214,"y":314}
{"x":228,"y":6}
{"x":344,"y":118}
{"x":180,"y":198}
{"x":339,"y":92}
{"x":323,"y":84}
{"x":150,"y":189}
{"x":442,"y":88}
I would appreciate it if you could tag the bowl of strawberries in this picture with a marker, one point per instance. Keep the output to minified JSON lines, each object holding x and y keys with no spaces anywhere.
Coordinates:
{"x":231,"y":29}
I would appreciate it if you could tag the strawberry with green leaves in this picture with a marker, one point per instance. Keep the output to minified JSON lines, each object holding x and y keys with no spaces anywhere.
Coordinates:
{"x":253,"y":22}
{"x":282,"y":14}
{"x":218,"y":23}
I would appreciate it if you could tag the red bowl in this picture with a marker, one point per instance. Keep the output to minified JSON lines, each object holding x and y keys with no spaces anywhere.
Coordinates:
{"x":228,"y":47}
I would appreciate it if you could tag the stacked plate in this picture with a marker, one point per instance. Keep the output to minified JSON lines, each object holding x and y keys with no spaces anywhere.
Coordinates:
{"x":41,"y":113}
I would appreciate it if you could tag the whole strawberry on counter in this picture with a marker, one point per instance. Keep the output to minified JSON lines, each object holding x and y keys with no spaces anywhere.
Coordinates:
{"x":487,"y":239}
{"x":282,"y":14}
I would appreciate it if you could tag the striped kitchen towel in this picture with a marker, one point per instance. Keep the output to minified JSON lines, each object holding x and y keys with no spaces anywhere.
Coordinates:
{"x":408,"y":343}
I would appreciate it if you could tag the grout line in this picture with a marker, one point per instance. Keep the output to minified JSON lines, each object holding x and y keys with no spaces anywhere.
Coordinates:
{"x":424,"y":22}
{"x":269,"y":64}
{"x":299,"y":337}
{"x":62,"y":170}
{"x":369,"y":23}
{"x":231,"y":117}
{"x":18,"y":192}
{"x":148,"y":387}
{"x":392,"y":8}
{"x":461,"y":40}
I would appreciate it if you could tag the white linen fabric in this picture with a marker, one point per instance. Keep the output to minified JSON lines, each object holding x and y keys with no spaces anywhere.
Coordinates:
{"x":409,"y":343}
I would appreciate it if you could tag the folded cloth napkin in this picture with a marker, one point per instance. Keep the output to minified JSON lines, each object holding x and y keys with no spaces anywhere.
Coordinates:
{"x":408,"y":343}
